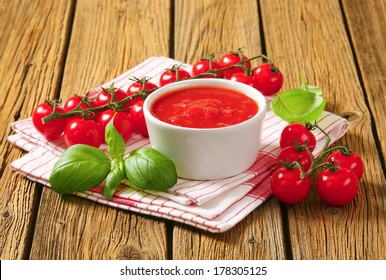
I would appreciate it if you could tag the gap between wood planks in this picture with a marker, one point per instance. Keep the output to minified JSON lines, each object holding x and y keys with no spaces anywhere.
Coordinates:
{"x":34,"y":216}
{"x":39,"y":186}
{"x":361,"y":82}
{"x":283,"y":208}
{"x":67,"y":45}
{"x":169,"y":224}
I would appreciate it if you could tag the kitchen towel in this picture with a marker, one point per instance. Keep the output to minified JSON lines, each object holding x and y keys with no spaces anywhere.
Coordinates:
{"x":215,"y":206}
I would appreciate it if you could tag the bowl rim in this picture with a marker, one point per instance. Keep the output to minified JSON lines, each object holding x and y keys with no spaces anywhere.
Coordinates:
{"x":150,"y":99}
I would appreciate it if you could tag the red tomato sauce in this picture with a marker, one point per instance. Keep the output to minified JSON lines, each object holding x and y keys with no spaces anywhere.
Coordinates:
{"x":204,"y":107}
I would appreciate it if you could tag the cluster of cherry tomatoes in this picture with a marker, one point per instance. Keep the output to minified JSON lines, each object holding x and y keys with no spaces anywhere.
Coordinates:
{"x":266,"y":77}
{"x":337,"y":183}
{"x":88,"y":125}
{"x":235,"y":66}
{"x":83,"y":120}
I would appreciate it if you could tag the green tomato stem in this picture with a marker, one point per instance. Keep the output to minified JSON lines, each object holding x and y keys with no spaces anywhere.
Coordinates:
{"x":91,"y":110}
{"x":325,"y":150}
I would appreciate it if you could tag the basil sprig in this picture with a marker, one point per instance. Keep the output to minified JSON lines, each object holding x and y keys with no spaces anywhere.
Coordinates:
{"x":82,"y":167}
{"x":304,"y":104}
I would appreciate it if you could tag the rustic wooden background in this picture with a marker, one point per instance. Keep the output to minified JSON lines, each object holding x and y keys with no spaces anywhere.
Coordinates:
{"x":60,"y":48}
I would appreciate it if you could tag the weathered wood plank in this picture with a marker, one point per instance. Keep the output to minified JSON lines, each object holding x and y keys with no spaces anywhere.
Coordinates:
{"x":70,"y":227}
{"x":107,"y":39}
{"x":31,"y":58}
{"x":311,"y":36}
{"x":258,"y":236}
{"x":366,"y":22}
{"x":202,"y":28}
{"x":110,"y":37}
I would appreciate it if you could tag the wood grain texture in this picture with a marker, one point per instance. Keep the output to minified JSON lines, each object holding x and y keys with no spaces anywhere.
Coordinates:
{"x":366,"y":22}
{"x":69,"y":227}
{"x":202,"y":28}
{"x":205,"y":27}
{"x":32,"y":50}
{"x":108,"y":38}
{"x":19,"y":205}
{"x":311,"y":36}
{"x":257,"y":236}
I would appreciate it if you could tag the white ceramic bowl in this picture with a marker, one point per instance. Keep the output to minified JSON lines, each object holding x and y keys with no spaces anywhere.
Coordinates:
{"x":207,"y":154}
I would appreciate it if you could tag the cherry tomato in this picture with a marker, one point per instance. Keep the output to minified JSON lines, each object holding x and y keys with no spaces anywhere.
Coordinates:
{"x":122,"y":122}
{"x":297,"y":133}
{"x":243,"y":78}
{"x":170,"y":76}
{"x":203,"y":66}
{"x":288,"y":187}
{"x":136,"y":87}
{"x":268,"y":80}
{"x":352,"y":162}
{"x":80,"y":131}
{"x":337,"y":188}
{"x":52,"y":129}
{"x":138,"y":118}
{"x":104,"y":97}
{"x":73,"y":102}
{"x":291,"y":154}
{"x":233,"y":58}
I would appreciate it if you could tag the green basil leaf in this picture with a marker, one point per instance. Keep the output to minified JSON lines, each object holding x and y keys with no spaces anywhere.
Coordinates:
{"x":115,"y":143}
{"x":148,"y":169}
{"x":297,"y":105}
{"x":114,"y":178}
{"x":302,"y":105}
{"x":80,"y":168}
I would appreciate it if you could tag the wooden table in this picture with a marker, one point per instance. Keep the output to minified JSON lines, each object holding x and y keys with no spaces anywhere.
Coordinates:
{"x":60,"y":48}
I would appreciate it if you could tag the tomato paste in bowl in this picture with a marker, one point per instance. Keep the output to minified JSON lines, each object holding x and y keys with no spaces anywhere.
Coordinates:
{"x":209,"y":128}
{"x":204,"y":107}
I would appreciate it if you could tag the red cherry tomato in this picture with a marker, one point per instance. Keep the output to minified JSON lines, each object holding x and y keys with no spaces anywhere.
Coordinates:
{"x":288,"y":187}
{"x":52,"y":129}
{"x":233,"y":58}
{"x":243,"y":78}
{"x":170,"y":76}
{"x":105,"y":97}
{"x":291,"y":154}
{"x":136,"y":87}
{"x":138,"y":118}
{"x":203,"y":66}
{"x":352,"y":162}
{"x":337,"y":188}
{"x":122,"y":122}
{"x":297,"y":133}
{"x":80,"y":131}
{"x":73,"y":102}
{"x":268,"y":80}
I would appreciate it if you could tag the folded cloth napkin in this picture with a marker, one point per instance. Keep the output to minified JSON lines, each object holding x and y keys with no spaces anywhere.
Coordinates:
{"x":215,"y":205}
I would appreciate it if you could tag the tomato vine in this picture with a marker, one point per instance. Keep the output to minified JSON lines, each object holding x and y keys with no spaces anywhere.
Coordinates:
{"x":337,"y":184}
